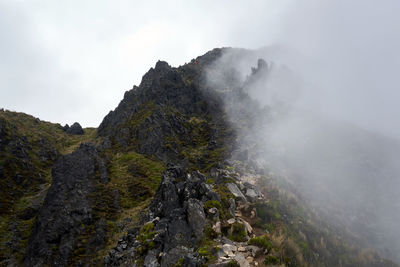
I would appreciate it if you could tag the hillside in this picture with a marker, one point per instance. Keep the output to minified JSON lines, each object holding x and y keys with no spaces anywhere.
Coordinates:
{"x":165,"y":180}
{"x":29,"y":148}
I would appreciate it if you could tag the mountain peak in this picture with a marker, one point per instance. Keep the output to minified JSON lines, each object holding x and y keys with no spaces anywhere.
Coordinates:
{"x":168,"y":177}
{"x":162,"y":65}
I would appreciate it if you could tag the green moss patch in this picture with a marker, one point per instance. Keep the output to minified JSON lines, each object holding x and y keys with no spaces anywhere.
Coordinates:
{"x":261,"y":241}
{"x":212,"y":204}
{"x":270,"y":259}
{"x":237,"y":232}
{"x":135,"y":176}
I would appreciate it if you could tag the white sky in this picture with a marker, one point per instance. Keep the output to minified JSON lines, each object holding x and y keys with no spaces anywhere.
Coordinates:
{"x":67,"y":61}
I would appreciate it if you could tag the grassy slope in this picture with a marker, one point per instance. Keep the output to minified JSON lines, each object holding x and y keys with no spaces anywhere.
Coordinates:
{"x":34,"y":138}
{"x":134,"y":176}
{"x":292,"y":234}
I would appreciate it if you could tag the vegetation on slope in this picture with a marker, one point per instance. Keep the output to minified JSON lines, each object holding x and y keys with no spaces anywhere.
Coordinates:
{"x":28,"y":149}
{"x":168,"y":119}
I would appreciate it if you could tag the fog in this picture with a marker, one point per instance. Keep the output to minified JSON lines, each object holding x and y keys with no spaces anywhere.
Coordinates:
{"x":326,"y":112}
{"x":348,"y":53}
{"x":71,"y":61}
{"x":328,"y":104}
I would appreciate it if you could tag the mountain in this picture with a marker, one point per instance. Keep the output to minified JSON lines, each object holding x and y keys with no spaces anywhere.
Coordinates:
{"x":169,"y":178}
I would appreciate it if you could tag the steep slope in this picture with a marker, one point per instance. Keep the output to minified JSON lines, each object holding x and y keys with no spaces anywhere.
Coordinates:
{"x":348,"y":174}
{"x":166,"y":118}
{"x":169,"y":116}
{"x":67,"y":207}
{"x":145,"y":245}
{"x":165,"y":183}
{"x":28,"y":149}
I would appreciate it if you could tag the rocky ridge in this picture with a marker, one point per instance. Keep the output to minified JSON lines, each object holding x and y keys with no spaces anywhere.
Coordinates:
{"x":164,"y":184}
{"x":66,"y":207}
{"x":28,"y":149}
{"x":176,"y":221}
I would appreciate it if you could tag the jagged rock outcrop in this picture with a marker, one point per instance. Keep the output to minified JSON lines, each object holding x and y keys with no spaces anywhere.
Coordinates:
{"x":159,"y":116}
{"x":220,"y":213}
{"x":67,"y":207}
{"x":65,"y":127}
{"x":177,"y":218}
{"x":29,"y":147}
{"x":75,"y":128}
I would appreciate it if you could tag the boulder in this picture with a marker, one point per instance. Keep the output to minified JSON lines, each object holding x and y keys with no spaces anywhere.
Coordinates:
{"x":247,"y":226}
{"x":65,"y":127}
{"x":191,"y":260}
{"x":254,"y":250}
{"x":172,"y":256}
{"x":151,"y":259}
{"x":232,"y":206}
{"x":213,"y":214}
{"x":196,"y":217}
{"x":231,"y":221}
{"x":75,"y":128}
{"x":251,"y":194}
{"x":239,"y":257}
{"x":217,"y":227}
{"x":229,"y":249}
{"x":236,"y":191}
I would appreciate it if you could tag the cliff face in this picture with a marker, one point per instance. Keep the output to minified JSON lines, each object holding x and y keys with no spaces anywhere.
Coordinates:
{"x":163,"y":183}
{"x":168,"y":114}
{"x":29,"y":148}
{"x":67,"y":208}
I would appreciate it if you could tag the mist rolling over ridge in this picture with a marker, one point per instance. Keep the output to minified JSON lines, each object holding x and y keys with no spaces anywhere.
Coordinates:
{"x":348,"y":170}
{"x":330,"y":101}
{"x":257,"y":133}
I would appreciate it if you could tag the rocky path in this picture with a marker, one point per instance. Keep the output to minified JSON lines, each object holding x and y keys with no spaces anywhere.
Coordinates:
{"x":174,"y":233}
{"x":243,"y":253}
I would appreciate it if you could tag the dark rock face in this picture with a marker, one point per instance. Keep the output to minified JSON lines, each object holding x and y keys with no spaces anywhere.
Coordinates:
{"x":66,"y":207}
{"x":179,"y":203}
{"x":65,"y":127}
{"x":177,"y":212}
{"x":75,"y":128}
{"x":160,"y":108}
{"x":4,"y":136}
{"x":196,"y":216}
{"x":164,"y":86}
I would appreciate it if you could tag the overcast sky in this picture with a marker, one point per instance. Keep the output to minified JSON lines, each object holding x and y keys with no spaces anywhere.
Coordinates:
{"x":67,"y":61}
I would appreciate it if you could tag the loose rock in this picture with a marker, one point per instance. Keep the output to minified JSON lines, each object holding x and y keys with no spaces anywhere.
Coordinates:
{"x":236,"y":191}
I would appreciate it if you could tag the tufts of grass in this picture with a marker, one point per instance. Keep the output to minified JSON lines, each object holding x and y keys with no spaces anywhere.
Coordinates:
{"x":261,"y":241}
{"x":179,"y":263}
{"x":146,"y":232}
{"x":212,"y":204}
{"x":237,"y":232}
{"x":233,"y":263}
{"x":207,"y":248}
{"x":270,"y":259}
{"x":135,"y":176}
{"x":145,"y":236}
